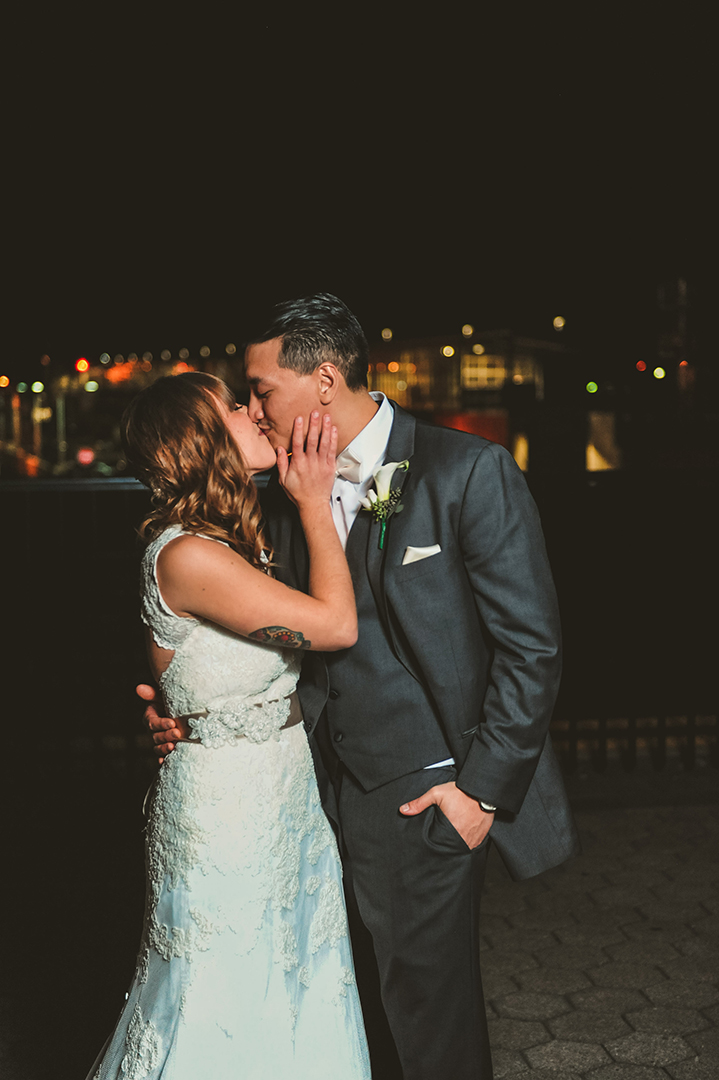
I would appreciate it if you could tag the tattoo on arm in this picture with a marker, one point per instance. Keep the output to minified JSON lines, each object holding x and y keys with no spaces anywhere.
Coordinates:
{"x":280,"y":635}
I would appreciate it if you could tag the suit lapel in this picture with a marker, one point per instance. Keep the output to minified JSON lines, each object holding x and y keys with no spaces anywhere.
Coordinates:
{"x":399,"y":448}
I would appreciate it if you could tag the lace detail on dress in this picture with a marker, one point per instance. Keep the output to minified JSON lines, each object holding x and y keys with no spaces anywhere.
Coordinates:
{"x":168,"y":629}
{"x":143,"y":1048}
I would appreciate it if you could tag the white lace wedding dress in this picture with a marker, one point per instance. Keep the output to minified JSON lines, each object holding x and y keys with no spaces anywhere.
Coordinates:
{"x":245,"y":970}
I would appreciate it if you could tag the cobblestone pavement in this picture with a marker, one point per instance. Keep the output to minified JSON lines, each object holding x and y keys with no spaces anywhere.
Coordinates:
{"x":604,"y":969}
{"x":608,"y":968}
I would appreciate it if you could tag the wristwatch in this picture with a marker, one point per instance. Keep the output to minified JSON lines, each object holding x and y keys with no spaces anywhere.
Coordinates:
{"x":487,"y":807}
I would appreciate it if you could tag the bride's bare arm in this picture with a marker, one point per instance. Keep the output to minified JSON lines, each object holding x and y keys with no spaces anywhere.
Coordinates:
{"x":210,"y":581}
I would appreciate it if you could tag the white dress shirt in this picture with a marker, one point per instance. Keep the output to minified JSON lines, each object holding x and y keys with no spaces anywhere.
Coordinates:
{"x":356,"y":466}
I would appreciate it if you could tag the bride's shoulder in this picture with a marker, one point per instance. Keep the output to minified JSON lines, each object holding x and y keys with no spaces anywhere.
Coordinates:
{"x":182,"y":552}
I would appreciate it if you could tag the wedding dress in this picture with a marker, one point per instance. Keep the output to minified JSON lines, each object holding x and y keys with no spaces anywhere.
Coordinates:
{"x":245,"y":970}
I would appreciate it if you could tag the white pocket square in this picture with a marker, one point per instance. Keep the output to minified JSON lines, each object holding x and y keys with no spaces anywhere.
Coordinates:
{"x":413,"y":554}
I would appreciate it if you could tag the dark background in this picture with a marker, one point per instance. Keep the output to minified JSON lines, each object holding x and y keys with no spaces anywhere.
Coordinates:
{"x":170,"y":174}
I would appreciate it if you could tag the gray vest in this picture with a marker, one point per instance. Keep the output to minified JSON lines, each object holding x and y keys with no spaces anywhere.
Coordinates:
{"x":382,"y":723}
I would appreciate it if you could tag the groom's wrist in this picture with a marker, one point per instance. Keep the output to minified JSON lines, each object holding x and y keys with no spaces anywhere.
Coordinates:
{"x":487,"y":807}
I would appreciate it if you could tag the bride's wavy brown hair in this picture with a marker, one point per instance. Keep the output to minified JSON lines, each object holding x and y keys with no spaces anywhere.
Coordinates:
{"x":178,"y":445}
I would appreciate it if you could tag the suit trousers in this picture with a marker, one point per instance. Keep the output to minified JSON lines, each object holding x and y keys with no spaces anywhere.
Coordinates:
{"x":413,"y":889}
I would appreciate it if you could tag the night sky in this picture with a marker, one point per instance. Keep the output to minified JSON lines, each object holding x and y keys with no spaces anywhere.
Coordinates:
{"x":170,"y":180}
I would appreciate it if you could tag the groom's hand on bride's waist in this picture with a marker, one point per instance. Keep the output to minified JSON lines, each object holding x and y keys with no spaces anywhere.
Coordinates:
{"x":164,"y":730}
{"x":466,"y":815}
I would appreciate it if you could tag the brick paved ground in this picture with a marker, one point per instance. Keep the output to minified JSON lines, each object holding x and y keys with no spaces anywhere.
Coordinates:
{"x":604,"y":969}
{"x":608,"y":968}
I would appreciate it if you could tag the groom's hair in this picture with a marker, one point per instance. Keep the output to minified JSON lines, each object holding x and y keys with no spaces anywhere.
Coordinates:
{"x":317,"y":329}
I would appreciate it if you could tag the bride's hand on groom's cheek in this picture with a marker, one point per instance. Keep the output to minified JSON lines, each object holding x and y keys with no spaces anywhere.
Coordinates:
{"x":163,"y":729}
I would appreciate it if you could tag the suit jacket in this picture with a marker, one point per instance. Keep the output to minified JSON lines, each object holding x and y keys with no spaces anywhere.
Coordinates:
{"x":476,"y":624}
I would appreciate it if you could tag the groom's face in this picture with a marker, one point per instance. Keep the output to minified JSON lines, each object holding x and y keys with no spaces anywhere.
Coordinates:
{"x":277,"y":395}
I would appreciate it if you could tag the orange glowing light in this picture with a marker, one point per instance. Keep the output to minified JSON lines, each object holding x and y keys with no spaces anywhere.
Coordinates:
{"x":381,"y":367}
{"x":82,"y":364}
{"x":394,"y":366}
{"x":641,"y":366}
{"x":412,"y":368}
{"x":4,"y":381}
{"x":118,"y":374}
{"x":682,"y":363}
{"x":181,"y":368}
{"x":85,"y":455}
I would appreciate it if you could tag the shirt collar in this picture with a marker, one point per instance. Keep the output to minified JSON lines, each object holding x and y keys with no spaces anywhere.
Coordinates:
{"x":359,"y":460}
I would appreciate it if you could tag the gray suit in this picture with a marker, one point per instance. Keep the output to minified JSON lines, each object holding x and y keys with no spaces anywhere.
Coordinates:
{"x":458,"y":655}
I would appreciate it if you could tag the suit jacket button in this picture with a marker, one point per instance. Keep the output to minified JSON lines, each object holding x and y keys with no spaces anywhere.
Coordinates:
{"x":339,"y":736}
{"x":334,"y":694}
{"x":307,"y":725}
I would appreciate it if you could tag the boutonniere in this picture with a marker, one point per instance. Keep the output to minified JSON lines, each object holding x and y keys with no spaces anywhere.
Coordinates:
{"x":384,"y":500}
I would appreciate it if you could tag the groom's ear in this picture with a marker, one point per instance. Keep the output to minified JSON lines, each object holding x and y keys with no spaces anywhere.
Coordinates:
{"x":329,"y":382}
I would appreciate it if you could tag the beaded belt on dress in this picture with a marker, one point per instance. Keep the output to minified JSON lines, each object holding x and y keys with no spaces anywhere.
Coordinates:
{"x":295,"y":716}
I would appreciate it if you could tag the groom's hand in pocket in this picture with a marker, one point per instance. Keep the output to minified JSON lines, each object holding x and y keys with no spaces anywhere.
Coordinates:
{"x":466,"y":815}
{"x":164,"y":730}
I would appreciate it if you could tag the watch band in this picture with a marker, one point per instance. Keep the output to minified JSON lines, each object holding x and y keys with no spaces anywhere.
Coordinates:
{"x":487,"y":807}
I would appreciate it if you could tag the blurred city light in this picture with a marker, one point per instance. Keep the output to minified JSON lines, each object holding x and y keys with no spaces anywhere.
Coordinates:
{"x":166,"y":354}
{"x":659,"y":373}
{"x":132,"y":357}
{"x":45,"y":360}
{"x":412,"y":368}
{"x":381,"y":368}
{"x":147,"y":357}
{"x":467,"y":329}
{"x":683,"y":363}
{"x":641,"y":366}
{"x":386,"y":334}
{"x":401,"y":384}
{"x":394,"y":366}
{"x":559,"y":322}
{"x":37,"y":387}
{"x":91,"y":386}
{"x":448,"y":350}
{"x":85,"y":455}
{"x":230,"y":349}
{"x":205,"y":351}
{"x":82,"y":364}
{"x":183,"y":354}
{"x":21,"y":387}
{"x":592,"y":388}
{"x":478,"y":350}
{"x":119,"y":358}
{"x":4,"y":381}
{"x":105,"y":358}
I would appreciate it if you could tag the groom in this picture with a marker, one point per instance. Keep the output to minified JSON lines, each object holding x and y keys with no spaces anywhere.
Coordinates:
{"x":431,"y":730}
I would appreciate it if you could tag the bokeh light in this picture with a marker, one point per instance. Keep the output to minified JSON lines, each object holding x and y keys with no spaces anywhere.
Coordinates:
{"x":183,"y":354}
{"x":166,"y":355}
{"x":85,"y":455}
{"x":230,"y":349}
{"x":659,"y":373}
{"x":82,"y":364}
{"x":448,"y":350}
{"x":640,"y":365}
{"x":394,"y":366}
{"x":4,"y":381}
{"x":37,"y":387}
{"x":205,"y":351}
{"x":91,"y":386}
{"x":21,"y":387}
{"x":592,"y":388}
{"x":105,"y":358}
{"x":467,"y":329}
{"x":386,"y":334}
{"x":478,"y":350}
{"x":559,"y":322}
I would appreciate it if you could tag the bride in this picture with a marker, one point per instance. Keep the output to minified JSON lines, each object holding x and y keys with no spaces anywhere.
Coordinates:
{"x":244,"y":967}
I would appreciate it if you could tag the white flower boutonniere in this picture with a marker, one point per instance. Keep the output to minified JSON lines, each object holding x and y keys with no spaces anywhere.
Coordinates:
{"x":385,"y":500}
